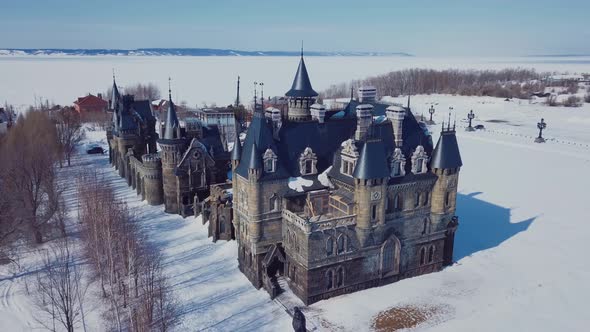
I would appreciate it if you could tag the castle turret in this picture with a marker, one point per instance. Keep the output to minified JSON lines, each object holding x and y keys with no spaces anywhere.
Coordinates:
{"x":445,"y":163}
{"x":364,"y":118}
{"x":396,"y":115}
{"x":370,"y":174}
{"x":152,"y":179}
{"x":302,"y":95}
{"x":172,"y":146}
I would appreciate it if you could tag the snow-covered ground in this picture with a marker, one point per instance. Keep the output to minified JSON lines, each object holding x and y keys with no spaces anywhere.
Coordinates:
{"x":523,"y":230}
{"x":520,"y":248}
{"x":62,"y":79}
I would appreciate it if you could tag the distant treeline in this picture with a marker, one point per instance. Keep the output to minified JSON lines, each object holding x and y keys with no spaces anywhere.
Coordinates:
{"x":505,"y":83}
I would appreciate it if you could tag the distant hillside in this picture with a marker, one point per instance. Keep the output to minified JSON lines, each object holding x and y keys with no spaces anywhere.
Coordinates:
{"x":181,"y":52}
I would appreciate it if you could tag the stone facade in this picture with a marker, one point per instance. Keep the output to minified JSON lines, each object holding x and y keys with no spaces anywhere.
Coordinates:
{"x":181,"y":172}
{"x":339,"y":204}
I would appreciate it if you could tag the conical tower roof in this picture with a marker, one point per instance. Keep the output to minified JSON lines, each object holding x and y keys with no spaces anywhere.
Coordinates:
{"x":171,"y":120}
{"x":255,"y":158}
{"x":236,"y":152}
{"x":372,"y":162}
{"x":446,"y":153}
{"x":301,"y":85}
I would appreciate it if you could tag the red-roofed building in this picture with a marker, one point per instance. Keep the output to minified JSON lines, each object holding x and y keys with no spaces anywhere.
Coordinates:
{"x":91,"y":103}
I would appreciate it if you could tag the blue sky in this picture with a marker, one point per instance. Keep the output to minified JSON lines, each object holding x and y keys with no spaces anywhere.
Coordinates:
{"x":428,"y":28}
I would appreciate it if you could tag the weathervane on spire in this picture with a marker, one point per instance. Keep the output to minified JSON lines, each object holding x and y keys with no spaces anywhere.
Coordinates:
{"x":302,"y":48}
{"x":169,"y":88}
{"x":113,"y":74}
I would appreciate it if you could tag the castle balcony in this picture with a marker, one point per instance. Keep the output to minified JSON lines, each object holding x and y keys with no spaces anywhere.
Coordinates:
{"x":318,"y":223}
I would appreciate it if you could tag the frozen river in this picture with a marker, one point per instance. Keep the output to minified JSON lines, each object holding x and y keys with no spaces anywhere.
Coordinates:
{"x":62,"y":79}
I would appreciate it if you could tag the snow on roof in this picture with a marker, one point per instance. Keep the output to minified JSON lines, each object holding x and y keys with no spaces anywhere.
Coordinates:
{"x":323,"y":178}
{"x":298,"y":183}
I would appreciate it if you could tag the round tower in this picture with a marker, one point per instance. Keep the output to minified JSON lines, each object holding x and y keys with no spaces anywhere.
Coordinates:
{"x":370,"y":178}
{"x":302,"y":95}
{"x":445,"y":164}
{"x":171,"y":148}
{"x":152,"y":179}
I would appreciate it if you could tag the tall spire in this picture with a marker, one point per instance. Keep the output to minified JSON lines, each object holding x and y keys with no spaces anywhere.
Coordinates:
{"x":172,"y":124}
{"x":302,"y":48}
{"x":301,"y":85}
{"x":238,"y":93}
{"x":409,"y":101}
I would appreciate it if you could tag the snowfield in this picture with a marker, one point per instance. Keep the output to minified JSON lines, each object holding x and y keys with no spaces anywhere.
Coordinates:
{"x":62,"y":79}
{"x":521,"y":243}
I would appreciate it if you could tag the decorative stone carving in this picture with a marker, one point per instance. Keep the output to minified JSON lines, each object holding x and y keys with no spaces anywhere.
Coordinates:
{"x":308,"y":162}
{"x":398,"y":163}
{"x":419,"y":160}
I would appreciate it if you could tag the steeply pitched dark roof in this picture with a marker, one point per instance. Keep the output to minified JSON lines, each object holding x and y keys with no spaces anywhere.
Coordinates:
{"x":236,"y":152}
{"x":301,"y":85}
{"x":171,"y":121}
{"x":255,"y":161}
{"x":372,"y":162}
{"x":115,"y":96}
{"x":446,"y":153}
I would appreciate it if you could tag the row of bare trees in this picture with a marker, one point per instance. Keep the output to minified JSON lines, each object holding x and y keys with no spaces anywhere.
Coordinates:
{"x":129,"y":270}
{"x":140,"y":91}
{"x":506,"y":83}
{"x":30,"y":196}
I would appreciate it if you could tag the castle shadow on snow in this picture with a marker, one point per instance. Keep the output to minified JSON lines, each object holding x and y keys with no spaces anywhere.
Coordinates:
{"x":483,"y":225}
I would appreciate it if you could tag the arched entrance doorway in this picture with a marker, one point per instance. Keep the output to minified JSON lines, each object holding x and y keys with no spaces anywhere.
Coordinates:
{"x":273,"y":266}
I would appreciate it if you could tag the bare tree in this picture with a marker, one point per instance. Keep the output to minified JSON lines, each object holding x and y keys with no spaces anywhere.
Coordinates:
{"x":148,"y":91}
{"x":60,"y":290}
{"x":28,"y":157}
{"x":69,"y":132}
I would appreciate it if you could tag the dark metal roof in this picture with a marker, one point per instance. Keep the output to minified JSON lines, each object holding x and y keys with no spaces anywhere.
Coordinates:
{"x":372,"y":162}
{"x":301,"y":85}
{"x":171,"y":121}
{"x":446,"y":153}
{"x":236,"y":152}
{"x":255,"y":158}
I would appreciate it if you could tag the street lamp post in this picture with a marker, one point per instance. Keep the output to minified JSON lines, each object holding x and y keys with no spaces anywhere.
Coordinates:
{"x":541,"y":125}
{"x":470,"y":116}
{"x":431,"y":111}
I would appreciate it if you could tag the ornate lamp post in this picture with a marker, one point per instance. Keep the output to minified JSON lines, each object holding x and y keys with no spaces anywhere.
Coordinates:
{"x":541,"y":125}
{"x":431,"y":111}
{"x":470,"y":116}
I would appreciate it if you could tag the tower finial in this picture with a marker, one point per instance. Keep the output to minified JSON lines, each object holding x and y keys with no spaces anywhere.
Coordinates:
{"x":169,"y":88}
{"x":238,"y":93}
{"x":449,"y":123}
{"x":113,"y":74}
{"x":409,"y":101}
{"x":302,"y":48}
{"x":454,"y":121}
{"x":351,"y":92}
{"x":255,"y":96}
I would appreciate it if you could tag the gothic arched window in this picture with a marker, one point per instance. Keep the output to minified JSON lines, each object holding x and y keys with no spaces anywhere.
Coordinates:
{"x":419,"y":160}
{"x":397,"y":202}
{"x":329,"y":279}
{"x":340,"y":244}
{"x":349,"y":156}
{"x":339,"y":276}
{"x":308,"y":162}
{"x":330,"y":246}
{"x":398,"y":163}
{"x":274,"y":203}
{"x":417,"y":202}
{"x":270,"y":161}
{"x":422,"y":256}
{"x":431,"y":254}
{"x":222,"y":224}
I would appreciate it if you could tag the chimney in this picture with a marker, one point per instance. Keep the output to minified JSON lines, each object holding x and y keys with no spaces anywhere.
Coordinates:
{"x":396,"y":115}
{"x":275,"y":117}
{"x":367,"y":94}
{"x":364,"y":117}
{"x":318,"y":112}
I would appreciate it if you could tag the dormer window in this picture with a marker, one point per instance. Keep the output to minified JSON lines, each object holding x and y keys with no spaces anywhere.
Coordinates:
{"x":419,"y":160}
{"x":270,"y":161}
{"x":349,"y":156}
{"x":398,"y":163}
{"x":308,"y":162}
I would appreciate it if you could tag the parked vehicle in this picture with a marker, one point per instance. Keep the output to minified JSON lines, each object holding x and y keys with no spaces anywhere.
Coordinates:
{"x":95,"y":150}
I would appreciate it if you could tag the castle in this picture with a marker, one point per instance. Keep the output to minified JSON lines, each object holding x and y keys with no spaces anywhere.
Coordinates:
{"x":338,"y":201}
{"x":192,"y":155}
